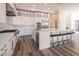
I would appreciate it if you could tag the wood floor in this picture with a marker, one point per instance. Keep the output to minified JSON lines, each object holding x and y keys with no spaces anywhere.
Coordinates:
{"x":26,"y":47}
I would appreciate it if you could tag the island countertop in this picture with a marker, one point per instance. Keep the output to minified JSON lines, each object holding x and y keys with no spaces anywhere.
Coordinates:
{"x":55,"y":30}
{"x":43,"y":39}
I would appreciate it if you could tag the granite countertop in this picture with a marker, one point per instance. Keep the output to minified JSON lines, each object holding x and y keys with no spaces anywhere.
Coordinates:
{"x":55,"y":30}
{"x":48,"y":29}
{"x":5,"y":37}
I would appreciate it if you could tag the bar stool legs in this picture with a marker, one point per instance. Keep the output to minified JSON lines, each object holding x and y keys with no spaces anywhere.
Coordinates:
{"x":58,"y":41}
{"x":70,"y":40}
{"x":52,"y":42}
{"x":64,"y":39}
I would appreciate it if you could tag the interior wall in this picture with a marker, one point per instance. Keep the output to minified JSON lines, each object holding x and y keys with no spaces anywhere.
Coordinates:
{"x":2,"y":13}
{"x":65,"y":18}
{"x":54,"y":18}
{"x":65,"y":14}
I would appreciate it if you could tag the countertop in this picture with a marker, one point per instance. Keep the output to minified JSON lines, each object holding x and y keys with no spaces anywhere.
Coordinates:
{"x":54,"y":30}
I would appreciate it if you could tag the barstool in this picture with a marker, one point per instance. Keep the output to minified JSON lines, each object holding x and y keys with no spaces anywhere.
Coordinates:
{"x":52,"y":43}
{"x":66,"y":37}
{"x":63,"y":34}
{"x":53,"y":35}
{"x":60,"y":39}
{"x":69,"y":36}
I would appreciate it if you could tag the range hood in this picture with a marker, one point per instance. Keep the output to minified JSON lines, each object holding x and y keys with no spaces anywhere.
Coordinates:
{"x":9,"y":10}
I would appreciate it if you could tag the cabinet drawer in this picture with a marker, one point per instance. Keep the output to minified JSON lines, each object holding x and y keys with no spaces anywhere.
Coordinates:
{"x":3,"y":50}
{"x":4,"y":53}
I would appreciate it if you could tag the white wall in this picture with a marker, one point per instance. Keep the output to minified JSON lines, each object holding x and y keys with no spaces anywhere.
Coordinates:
{"x":65,"y":14}
{"x":66,"y":18}
{"x":2,"y":13}
{"x":74,"y":16}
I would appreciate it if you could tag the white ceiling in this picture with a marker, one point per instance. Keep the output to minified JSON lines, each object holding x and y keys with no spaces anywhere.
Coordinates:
{"x":46,"y":7}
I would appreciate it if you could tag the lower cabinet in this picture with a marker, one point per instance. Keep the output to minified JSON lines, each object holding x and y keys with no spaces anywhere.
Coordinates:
{"x":8,"y":48}
{"x":3,"y":50}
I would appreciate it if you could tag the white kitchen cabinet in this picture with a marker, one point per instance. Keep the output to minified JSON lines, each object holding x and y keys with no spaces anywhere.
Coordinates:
{"x":24,"y":29}
{"x":7,"y":49}
{"x":8,"y":44}
{"x":3,"y":50}
{"x":42,"y":39}
{"x":22,"y":20}
{"x":10,"y":47}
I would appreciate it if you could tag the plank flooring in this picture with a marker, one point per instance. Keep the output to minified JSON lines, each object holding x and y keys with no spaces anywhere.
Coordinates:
{"x":27,"y":47}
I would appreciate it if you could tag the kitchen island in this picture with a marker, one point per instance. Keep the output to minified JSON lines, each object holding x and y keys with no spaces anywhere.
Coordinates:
{"x":43,"y":36}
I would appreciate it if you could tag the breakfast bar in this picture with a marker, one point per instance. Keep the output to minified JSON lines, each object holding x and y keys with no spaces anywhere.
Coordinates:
{"x":46,"y":38}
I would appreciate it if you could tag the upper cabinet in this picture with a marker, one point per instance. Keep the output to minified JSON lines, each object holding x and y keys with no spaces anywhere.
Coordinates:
{"x":10,"y":9}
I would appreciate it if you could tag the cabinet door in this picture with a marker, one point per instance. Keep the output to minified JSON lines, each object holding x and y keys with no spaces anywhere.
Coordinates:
{"x":9,"y":45}
{"x":22,"y":20}
{"x":4,"y":50}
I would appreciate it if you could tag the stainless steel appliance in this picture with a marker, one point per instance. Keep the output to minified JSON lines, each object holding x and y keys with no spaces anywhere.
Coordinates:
{"x":39,"y":25}
{"x":45,"y":23}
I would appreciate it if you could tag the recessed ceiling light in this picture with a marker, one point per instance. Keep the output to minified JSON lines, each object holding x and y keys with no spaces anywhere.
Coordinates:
{"x":48,"y":8}
{"x":34,"y":5}
{"x":41,"y":13}
{"x":45,"y":3}
{"x":54,"y":15}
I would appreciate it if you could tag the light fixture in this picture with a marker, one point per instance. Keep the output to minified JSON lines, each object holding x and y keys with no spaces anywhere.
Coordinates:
{"x":42,"y":14}
{"x":54,"y":15}
{"x":45,"y":4}
{"x":48,"y":8}
{"x":34,"y":5}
